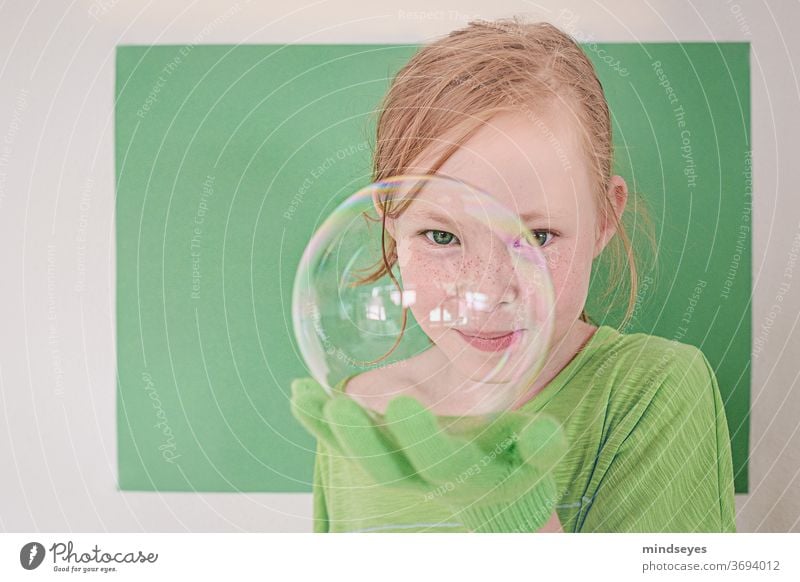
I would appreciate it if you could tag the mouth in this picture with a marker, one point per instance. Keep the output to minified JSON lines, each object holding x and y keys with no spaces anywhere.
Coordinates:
{"x":491,"y":341}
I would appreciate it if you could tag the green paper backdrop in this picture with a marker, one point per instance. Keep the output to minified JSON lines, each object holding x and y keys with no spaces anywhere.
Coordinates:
{"x":226,"y":156}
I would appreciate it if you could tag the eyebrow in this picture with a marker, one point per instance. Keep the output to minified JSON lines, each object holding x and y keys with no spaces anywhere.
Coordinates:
{"x":431,"y":215}
{"x":427,"y":214}
{"x":533,"y":215}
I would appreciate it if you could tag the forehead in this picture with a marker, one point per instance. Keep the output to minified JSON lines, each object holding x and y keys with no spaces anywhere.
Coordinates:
{"x":532,"y":163}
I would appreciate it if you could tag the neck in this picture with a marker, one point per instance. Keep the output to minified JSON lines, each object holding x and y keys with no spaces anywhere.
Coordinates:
{"x":448,"y":391}
{"x":562,"y":351}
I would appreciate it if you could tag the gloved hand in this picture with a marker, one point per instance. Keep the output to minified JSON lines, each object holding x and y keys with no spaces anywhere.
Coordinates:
{"x":497,"y":480}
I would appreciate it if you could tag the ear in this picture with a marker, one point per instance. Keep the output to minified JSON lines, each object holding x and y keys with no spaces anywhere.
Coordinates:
{"x":617,"y":195}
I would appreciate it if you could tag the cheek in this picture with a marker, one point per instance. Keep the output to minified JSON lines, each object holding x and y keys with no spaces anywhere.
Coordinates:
{"x":425,"y":276}
{"x":570,"y":270}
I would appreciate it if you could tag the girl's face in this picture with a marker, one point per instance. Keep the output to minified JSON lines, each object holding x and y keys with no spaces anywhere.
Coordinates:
{"x":473,"y":280}
{"x":534,"y":166}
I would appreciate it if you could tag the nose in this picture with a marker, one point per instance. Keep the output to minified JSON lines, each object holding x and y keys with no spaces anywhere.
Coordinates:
{"x":489,"y":276}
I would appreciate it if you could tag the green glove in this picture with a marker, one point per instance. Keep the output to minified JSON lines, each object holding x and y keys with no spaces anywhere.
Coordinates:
{"x":498,"y":480}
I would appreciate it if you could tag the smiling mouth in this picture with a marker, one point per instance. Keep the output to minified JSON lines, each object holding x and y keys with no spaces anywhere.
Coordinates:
{"x":491,"y":341}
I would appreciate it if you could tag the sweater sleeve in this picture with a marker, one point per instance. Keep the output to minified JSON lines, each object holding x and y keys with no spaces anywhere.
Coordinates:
{"x":672,"y":470}
{"x":321,"y":522}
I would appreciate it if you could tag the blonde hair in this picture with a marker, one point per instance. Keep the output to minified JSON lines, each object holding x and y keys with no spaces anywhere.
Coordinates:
{"x":457,"y":83}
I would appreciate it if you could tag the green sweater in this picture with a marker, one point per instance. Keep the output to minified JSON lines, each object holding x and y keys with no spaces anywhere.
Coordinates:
{"x":649,"y":450}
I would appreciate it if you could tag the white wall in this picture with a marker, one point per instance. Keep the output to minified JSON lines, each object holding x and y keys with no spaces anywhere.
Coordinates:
{"x":57,"y":359}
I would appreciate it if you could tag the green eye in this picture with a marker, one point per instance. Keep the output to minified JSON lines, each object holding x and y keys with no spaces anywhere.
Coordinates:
{"x":541,"y":236}
{"x":440,"y":237}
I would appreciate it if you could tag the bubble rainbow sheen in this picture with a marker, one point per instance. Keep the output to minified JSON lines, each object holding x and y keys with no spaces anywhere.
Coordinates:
{"x":463,"y":325}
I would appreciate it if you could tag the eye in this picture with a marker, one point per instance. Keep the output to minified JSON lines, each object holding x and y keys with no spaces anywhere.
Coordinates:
{"x":541,"y":236}
{"x":441,"y":237}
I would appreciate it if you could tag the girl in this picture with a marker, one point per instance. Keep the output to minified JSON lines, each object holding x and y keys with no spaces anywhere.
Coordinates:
{"x":640,"y":441}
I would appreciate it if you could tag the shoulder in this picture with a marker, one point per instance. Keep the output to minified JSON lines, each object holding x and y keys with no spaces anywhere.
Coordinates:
{"x":665,"y":461}
{"x":658,"y":378}
{"x":643,"y":362}
{"x":673,"y":366}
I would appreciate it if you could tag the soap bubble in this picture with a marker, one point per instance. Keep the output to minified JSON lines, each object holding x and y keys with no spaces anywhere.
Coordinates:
{"x":424,"y":285}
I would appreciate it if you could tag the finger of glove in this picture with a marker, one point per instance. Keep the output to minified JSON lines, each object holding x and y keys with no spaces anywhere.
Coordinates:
{"x":524,"y":510}
{"x":436,"y":456}
{"x":361,"y":439}
{"x":542,"y":443}
{"x":307,"y":406}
